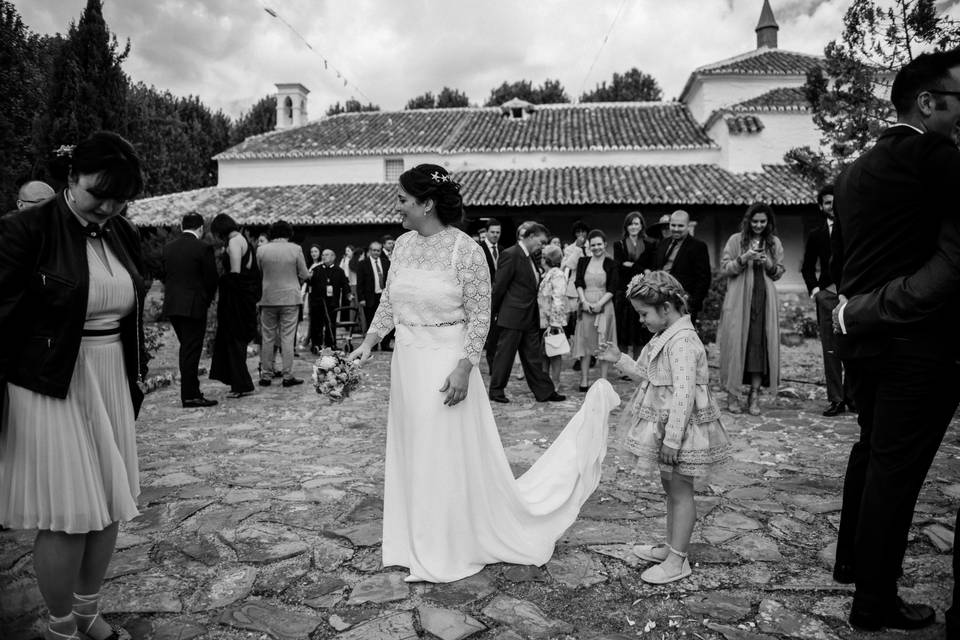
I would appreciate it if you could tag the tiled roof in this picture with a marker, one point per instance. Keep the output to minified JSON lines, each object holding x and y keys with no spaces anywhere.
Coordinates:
{"x":582,"y":186}
{"x":587,"y":127}
{"x":782,"y":99}
{"x":763,"y":61}
{"x":739,"y":124}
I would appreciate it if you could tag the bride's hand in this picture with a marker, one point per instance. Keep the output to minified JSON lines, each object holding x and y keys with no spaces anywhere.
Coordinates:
{"x":362,"y":353}
{"x":455,"y":386}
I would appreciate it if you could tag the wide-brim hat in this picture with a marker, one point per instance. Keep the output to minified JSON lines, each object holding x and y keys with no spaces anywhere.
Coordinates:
{"x":656,"y":230}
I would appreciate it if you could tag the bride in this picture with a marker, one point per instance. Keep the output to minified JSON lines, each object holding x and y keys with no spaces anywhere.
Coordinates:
{"x":451,"y":503}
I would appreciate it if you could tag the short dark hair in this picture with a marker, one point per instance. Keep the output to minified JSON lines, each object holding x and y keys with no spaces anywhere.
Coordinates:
{"x":925,"y":72}
{"x":580,"y":226}
{"x":280,"y":229}
{"x":531,"y":228}
{"x":223,"y":225}
{"x":192,"y":220}
{"x":114,"y":159}
{"x":385,"y":238}
{"x":825,"y":190}
{"x":596,"y":233}
{"x":433,"y":182}
{"x":493,"y":222}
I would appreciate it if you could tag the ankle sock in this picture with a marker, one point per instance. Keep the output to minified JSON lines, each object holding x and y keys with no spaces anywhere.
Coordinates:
{"x":61,"y":628}
{"x":86,"y":610}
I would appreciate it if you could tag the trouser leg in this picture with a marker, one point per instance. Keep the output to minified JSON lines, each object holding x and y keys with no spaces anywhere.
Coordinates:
{"x":832,"y":366}
{"x":288,"y":332}
{"x":189,"y":333}
{"x":533,"y":370}
{"x":507,"y":344}
{"x":269,"y":319}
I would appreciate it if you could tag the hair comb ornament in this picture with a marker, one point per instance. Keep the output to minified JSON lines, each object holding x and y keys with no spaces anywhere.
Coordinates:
{"x":437,"y":178}
{"x":64,"y":151}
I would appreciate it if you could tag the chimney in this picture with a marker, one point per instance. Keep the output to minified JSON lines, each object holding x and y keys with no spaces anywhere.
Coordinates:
{"x":767,"y":28}
{"x":291,"y":105}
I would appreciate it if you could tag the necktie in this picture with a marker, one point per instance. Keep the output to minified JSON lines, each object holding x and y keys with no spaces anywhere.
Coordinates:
{"x":376,"y":268}
{"x":496,"y":253}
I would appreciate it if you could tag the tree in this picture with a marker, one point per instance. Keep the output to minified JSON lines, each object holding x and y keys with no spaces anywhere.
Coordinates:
{"x":450,"y":98}
{"x":21,"y":72}
{"x":847,"y":92}
{"x":351,"y":106}
{"x":632,"y":86}
{"x":261,"y":118}
{"x":550,"y":92}
{"x":88,"y":88}
{"x":424,"y":101}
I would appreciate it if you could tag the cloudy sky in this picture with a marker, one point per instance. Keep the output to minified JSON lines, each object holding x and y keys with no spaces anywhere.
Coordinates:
{"x":231,"y":52}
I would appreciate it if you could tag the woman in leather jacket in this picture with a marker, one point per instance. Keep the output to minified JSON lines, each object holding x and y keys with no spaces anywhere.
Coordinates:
{"x":71,"y":307}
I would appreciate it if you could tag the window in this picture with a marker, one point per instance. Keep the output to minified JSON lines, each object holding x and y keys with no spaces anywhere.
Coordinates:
{"x":288,"y":105}
{"x":393,"y":167}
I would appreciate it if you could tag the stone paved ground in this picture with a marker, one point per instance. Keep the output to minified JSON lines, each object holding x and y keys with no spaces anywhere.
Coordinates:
{"x":261,"y":519}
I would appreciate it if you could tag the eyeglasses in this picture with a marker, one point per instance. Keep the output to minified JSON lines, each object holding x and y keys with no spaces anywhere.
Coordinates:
{"x":955,"y":94}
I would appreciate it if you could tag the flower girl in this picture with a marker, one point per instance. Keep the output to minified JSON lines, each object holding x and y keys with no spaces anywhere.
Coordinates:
{"x":672,"y":418}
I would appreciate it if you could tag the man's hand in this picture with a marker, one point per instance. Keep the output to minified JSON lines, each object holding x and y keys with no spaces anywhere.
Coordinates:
{"x":835,"y":314}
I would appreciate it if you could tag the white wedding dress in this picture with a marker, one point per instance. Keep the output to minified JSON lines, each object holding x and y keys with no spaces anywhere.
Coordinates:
{"x":451,"y":503}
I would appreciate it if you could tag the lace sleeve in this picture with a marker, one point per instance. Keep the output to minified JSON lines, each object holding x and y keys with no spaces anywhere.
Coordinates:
{"x":382,"y":322}
{"x":474,"y":278}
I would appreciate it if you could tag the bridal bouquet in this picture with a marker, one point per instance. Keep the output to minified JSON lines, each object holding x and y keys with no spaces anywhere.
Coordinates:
{"x":334,"y":376}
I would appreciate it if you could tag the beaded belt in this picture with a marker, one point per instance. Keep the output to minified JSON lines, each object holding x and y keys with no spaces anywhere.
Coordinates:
{"x":102,"y":332}
{"x":438,"y":324}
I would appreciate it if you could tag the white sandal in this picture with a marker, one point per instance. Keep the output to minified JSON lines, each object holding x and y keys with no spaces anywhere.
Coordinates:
{"x":648,"y":551}
{"x":658,"y":575}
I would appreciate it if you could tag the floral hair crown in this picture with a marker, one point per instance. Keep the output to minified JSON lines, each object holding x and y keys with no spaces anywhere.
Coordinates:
{"x":641,"y":285}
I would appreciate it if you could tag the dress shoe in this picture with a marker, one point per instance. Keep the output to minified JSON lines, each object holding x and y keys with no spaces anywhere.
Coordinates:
{"x":843,"y":573}
{"x":291,"y":382}
{"x":852,"y":406}
{"x":199,"y":403}
{"x":554,"y":397}
{"x":576,"y":364}
{"x":835,"y":409}
{"x":901,"y":616}
{"x":265,"y":382}
{"x":500,"y":399}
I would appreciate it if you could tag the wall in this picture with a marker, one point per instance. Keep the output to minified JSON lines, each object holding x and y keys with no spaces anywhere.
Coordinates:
{"x":782,"y":131}
{"x":361,"y":169}
{"x":714,"y":92}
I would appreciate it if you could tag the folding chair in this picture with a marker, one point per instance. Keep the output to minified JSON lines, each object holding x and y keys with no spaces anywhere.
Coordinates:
{"x":348,"y":326}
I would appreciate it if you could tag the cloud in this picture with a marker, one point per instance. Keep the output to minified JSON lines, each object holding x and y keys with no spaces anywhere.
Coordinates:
{"x":230,"y":53}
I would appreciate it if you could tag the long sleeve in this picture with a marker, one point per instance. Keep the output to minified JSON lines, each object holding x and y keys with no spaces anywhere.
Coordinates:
{"x":631,"y":367}
{"x":776,"y":254}
{"x":209,"y":271}
{"x":702,"y":276}
{"x":474,"y":278}
{"x":506,"y":266}
{"x":730,"y":266}
{"x":683,"y":372}
{"x":557,"y":317}
{"x":808,"y":268}
{"x":382,"y":322}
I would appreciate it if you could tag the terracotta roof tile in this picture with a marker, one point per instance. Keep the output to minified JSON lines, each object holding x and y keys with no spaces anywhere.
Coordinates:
{"x":597,"y":126}
{"x":740,"y":124}
{"x":763,"y":61}
{"x":782,"y":99}
{"x":583,"y":186}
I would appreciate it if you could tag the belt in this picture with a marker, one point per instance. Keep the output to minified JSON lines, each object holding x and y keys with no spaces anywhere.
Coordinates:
{"x":102,"y":332}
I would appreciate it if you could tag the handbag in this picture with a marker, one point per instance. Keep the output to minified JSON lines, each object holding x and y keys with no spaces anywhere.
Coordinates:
{"x":555,"y":344}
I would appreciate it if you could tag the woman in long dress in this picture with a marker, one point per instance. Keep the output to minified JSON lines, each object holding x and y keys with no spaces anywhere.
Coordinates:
{"x":749,"y":331}
{"x":633,"y":254}
{"x":451,"y":503}
{"x":71,"y":308}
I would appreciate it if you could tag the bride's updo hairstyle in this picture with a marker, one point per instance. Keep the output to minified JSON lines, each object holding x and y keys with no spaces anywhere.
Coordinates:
{"x":657,"y":288}
{"x":433,"y":182}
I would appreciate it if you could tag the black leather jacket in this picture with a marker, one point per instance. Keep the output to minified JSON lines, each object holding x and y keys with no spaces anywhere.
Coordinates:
{"x":44,"y":282}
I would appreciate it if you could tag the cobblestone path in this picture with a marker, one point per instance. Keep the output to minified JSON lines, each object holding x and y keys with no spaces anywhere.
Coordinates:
{"x":260,"y":518}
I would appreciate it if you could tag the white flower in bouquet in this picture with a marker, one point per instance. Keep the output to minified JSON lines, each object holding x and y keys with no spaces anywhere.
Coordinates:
{"x":326,"y":363}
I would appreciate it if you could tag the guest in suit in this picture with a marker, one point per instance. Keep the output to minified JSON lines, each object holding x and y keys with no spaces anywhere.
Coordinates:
{"x":571,"y":258}
{"x":890,"y":205}
{"x":632,"y":254}
{"x":821,"y":287}
{"x":386,"y":243}
{"x":490,"y":244}
{"x":749,"y":331}
{"x":329,"y":288}
{"x":597,"y":283}
{"x":514,"y":304}
{"x":190,"y":280}
{"x":686,"y":259}
{"x":371,"y":281}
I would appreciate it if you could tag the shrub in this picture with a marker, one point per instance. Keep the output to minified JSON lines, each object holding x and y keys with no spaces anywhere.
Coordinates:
{"x":796,"y":318}
{"x":709,"y":318}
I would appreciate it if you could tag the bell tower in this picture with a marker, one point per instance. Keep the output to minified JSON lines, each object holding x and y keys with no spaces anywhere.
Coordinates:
{"x":291,"y":105}
{"x":767,"y":28}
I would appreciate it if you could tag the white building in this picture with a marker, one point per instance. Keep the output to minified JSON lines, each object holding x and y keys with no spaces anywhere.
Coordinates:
{"x":716,"y":150}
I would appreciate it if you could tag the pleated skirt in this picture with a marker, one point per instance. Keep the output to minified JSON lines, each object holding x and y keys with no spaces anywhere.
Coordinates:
{"x":71,"y":464}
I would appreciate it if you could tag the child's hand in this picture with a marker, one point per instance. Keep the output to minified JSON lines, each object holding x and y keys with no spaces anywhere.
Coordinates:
{"x":608,"y":351}
{"x":668,"y":455}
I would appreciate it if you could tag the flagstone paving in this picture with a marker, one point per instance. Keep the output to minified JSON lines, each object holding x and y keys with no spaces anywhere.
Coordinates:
{"x":260,"y":518}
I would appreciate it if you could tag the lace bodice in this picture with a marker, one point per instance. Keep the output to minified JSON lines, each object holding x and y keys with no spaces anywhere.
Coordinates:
{"x":437,"y":280}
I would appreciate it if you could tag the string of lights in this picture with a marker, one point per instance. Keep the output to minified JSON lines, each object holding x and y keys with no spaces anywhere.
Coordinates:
{"x":603,"y":43}
{"x":326,"y":62}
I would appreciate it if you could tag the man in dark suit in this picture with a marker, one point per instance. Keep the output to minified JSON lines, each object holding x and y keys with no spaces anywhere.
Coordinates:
{"x":686,"y":259}
{"x":891,"y":204}
{"x":490,"y":244}
{"x":517,"y":316}
{"x":821,"y":287}
{"x":371,"y":281}
{"x":190,"y":280}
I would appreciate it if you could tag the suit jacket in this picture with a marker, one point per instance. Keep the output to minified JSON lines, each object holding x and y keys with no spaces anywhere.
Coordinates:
{"x":515,"y":289}
{"x":691,"y":267}
{"x":816,"y":255}
{"x":890,"y":206}
{"x":491,"y":264}
{"x":284,"y":268}
{"x":365,"y":279}
{"x":190,"y":277}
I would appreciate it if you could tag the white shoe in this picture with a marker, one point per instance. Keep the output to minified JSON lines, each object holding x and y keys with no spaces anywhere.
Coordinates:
{"x":658,"y":575}
{"x":652,"y":552}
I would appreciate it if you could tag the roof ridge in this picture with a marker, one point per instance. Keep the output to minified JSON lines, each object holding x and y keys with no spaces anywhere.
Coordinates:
{"x":752,"y":54}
